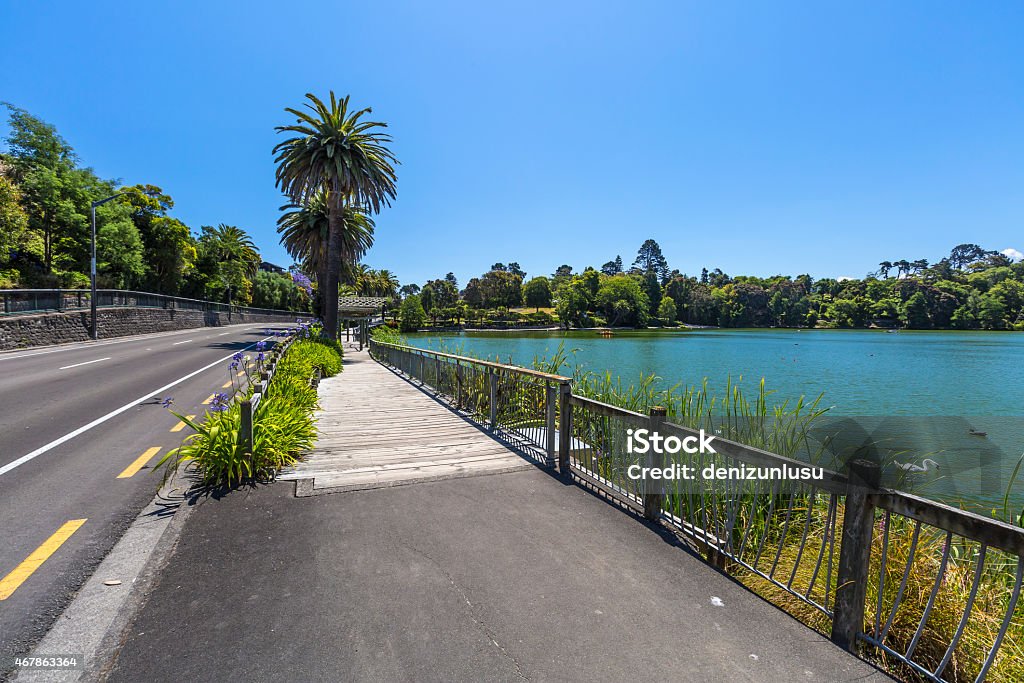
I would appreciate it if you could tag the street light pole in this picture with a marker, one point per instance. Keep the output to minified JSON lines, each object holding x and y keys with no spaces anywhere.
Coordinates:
{"x":94,"y":330}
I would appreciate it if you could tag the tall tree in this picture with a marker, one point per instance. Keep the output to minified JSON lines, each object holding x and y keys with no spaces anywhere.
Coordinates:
{"x":335,"y":152}
{"x":650,"y":259}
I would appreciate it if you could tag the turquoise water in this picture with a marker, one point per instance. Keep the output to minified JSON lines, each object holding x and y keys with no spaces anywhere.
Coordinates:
{"x":949,"y":381}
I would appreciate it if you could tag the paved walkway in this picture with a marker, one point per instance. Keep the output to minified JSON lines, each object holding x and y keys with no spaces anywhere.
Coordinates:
{"x":512,"y":577}
{"x":377,"y":429}
{"x":522,"y":576}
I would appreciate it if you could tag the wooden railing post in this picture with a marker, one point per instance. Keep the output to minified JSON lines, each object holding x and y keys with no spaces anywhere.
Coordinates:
{"x":245,"y":427}
{"x":492,"y":387}
{"x":550,"y":406}
{"x":564,"y":427}
{"x":654,"y":495}
{"x":854,"y":553}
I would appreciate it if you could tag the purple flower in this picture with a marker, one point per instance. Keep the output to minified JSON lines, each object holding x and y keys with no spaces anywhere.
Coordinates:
{"x":167,"y":402}
{"x":219,"y":403}
{"x":237,"y":357}
{"x":259,"y":357}
{"x":234,"y":365}
{"x":260,"y":345}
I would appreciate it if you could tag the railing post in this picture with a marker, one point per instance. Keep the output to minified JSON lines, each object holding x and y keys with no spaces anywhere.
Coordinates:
{"x":492,"y":388}
{"x":437,"y":375}
{"x":854,"y":553}
{"x":550,"y":405}
{"x":564,"y":427}
{"x":458,"y":385}
{"x":60,"y":300}
{"x":245,"y":427}
{"x":654,"y":496}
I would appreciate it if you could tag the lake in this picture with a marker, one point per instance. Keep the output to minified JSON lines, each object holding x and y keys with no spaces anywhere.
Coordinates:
{"x":929,"y":388}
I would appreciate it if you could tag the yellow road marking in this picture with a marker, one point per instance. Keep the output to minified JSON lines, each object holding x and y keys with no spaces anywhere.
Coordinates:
{"x":139,"y":462}
{"x":10,"y":583}
{"x":207,"y":401}
{"x":227,"y":385}
{"x":181,"y":425}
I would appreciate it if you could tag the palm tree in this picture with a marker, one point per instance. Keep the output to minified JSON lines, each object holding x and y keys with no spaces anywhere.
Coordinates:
{"x":235,"y":250}
{"x":304,"y":233}
{"x":347,"y":159}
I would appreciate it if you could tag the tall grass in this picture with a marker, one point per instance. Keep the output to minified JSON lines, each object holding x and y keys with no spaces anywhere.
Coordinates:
{"x":792,"y":523}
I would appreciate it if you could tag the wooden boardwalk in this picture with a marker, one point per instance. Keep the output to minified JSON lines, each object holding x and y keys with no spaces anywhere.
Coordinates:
{"x":377,"y":429}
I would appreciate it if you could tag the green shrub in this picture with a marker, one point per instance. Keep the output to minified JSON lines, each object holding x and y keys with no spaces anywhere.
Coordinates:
{"x":388,"y":335}
{"x":283,"y":425}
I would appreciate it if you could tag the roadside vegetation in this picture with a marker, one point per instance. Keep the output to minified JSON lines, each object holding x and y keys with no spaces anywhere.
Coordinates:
{"x":283,"y":423}
{"x":45,"y":195}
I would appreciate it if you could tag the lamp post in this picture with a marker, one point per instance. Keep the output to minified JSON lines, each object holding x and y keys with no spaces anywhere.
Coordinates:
{"x":94,"y":329}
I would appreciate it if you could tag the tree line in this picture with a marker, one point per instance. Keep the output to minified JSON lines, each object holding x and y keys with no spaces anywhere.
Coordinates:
{"x":972,"y":288}
{"x":45,"y":232}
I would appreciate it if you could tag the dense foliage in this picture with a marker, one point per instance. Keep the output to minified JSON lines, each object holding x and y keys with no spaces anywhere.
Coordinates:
{"x":972,"y":288}
{"x":45,"y":196}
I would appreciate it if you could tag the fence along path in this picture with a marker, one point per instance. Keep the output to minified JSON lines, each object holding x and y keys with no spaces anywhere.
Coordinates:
{"x":377,"y":429}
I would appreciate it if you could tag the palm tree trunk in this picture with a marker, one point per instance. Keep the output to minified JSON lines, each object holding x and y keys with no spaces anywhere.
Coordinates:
{"x":333,"y":271}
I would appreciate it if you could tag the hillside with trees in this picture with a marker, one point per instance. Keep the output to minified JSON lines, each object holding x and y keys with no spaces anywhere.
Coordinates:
{"x":971,"y":289}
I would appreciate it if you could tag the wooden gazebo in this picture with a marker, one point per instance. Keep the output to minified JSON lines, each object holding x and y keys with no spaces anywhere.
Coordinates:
{"x":357,"y":312}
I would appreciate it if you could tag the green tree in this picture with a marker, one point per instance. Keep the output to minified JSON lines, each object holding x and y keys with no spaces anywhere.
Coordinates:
{"x":119,"y":250}
{"x":572,"y":305}
{"x":501,"y":288}
{"x":992,"y":313}
{"x":537,"y":292}
{"x":335,"y":152}
{"x":411,"y":314}
{"x":667,"y":310}
{"x":650,"y":259}
{"x":623,"y":302}
{"x":915,"y":312}
{"x":305,"y":230}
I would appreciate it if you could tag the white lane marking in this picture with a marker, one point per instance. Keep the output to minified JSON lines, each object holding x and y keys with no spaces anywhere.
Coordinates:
{"x":114,"y":413}
{"x":123,"y":340}
{"x":181,"y":342}
{"x":68,"y":367}
{"x":223,"y":333}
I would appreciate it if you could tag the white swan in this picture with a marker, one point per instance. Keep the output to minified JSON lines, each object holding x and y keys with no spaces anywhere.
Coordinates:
{"x":926,"y":466}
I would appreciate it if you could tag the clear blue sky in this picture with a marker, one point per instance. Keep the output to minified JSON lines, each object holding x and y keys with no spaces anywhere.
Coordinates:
{"x":755,"y":137}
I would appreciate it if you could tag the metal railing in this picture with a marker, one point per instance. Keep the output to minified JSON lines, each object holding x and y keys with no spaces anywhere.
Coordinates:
{"x":519,"y":405}
{"x":34,"y":301}
{"x":918,"y":582}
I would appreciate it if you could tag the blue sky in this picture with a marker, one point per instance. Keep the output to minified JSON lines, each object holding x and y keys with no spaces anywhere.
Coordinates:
{"x":755,"y":137}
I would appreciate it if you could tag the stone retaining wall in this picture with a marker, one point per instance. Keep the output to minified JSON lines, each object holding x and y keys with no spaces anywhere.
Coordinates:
{"x":59,"y":328}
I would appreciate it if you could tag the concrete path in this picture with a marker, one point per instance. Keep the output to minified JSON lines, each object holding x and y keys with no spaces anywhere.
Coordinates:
{"x":513,"y":577}
{"x":377,"y":429}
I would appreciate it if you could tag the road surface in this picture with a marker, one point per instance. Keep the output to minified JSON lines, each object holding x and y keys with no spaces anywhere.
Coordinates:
{"x":81,"y":426}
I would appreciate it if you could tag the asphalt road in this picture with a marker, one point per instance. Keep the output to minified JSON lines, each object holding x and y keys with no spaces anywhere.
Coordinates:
{"x":54,"y":473}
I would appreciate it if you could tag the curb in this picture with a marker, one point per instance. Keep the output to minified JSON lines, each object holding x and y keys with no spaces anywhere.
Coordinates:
{"x":95,"y":623}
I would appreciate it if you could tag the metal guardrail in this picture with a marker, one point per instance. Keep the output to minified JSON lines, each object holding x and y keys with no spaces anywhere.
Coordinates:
{"x":861,"y":557}
{"x":34,"y":301}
